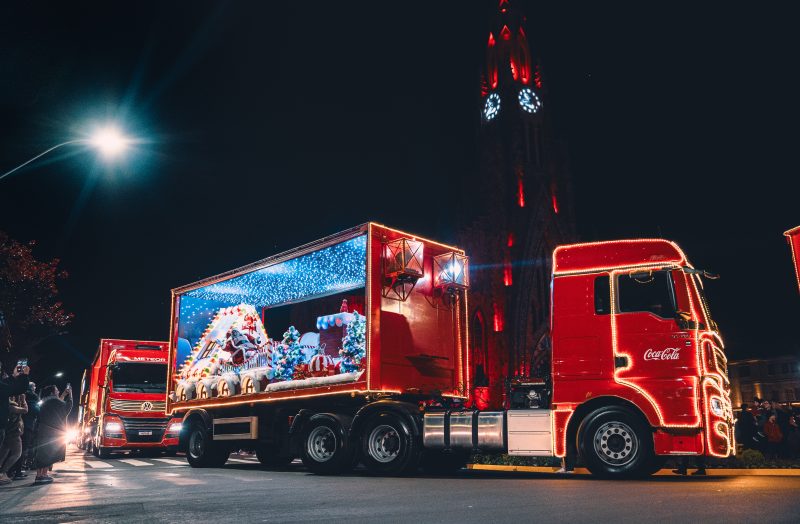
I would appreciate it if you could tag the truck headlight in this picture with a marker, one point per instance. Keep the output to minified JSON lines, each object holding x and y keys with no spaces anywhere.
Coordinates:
{"x":113,"y":427}
{"x":175,"y":427}
{"x":716,"y":407}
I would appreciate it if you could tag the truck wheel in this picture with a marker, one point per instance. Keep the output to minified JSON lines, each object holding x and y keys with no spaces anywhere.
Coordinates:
{"x":202,"y":451}
{"x":102,"y":453}
{"x":388,"y":446}
{"x":615,"y":443}
{"x":325,"y":449}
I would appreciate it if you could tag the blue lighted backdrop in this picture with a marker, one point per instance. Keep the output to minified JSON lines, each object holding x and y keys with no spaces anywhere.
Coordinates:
{"x":334,"y":269}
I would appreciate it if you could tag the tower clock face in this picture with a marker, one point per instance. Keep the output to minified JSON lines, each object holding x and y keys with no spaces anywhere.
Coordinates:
{"x":529,"y":101}
{"x":491,"y":107}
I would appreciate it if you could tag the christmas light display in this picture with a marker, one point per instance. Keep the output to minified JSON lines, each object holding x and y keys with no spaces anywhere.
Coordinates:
{"x":337,"y":268}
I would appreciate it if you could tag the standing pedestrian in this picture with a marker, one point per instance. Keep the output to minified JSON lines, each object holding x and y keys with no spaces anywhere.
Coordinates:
{"x":792,"y":437}
{"x":9,"y":386}
{"x":745,"y":428}
{"x":51,"y":428}
{"x":25,"y":462}
{"x":774,"y":436}
{"x":11,"y":449}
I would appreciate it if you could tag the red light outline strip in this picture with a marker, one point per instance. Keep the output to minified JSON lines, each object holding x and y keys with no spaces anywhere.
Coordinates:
{"x":596,"y":269}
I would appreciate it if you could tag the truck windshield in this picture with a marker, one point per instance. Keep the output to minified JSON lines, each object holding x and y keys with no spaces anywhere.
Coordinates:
{"x":139,"y":378}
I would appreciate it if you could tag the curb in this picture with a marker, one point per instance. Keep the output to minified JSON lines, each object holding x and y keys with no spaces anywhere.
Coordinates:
{"x":663,"y":472}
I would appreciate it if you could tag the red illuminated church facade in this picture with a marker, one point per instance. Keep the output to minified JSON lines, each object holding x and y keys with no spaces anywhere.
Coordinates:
{"x":519,"y":209}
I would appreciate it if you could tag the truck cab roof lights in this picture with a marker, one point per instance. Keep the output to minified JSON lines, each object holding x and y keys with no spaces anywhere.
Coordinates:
{"x":616,"y":254}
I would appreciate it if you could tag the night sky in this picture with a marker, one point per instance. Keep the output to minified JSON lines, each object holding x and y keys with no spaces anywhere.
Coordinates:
{"x":265,"y":125}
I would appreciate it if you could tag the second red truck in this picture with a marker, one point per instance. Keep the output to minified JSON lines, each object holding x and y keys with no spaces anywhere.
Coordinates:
{"x":122,"y":404}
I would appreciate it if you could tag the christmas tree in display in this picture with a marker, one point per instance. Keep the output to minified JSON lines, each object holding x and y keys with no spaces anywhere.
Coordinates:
{"x":288,"y":355}
{"x":354,"y":344}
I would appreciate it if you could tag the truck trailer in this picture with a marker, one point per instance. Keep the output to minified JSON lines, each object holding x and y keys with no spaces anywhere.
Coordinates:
{"x":355,"y":349}
{"x":121,"y":406}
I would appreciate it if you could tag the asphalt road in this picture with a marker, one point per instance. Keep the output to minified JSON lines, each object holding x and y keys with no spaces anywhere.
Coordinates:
{"x":139,"y":489}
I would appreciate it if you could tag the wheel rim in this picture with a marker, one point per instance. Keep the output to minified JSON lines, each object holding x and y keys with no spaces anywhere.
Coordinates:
{"x":321,"y":444}
{"x":616,"y":443}
{"x":384,"y":444}
{"x":197,"y":444}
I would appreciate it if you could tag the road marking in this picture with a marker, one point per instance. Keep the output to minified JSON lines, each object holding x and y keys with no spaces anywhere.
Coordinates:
{"x":242,"y":461}
{"x":134,"y":462}
{"x":98,"y":464}
{"x":172,"y":461}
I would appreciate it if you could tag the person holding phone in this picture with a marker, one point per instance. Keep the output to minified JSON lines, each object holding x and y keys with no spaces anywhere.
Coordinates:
{"x":14,"y":385}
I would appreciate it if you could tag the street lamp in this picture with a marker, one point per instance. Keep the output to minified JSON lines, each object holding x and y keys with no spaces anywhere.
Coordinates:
{"x":59,"y":374}
{"x":109,"y":141}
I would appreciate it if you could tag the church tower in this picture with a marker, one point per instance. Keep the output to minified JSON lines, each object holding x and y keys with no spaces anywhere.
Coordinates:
{"x":516,"y":212}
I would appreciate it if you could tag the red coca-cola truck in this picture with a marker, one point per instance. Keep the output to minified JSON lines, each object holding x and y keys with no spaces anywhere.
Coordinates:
{"x":122,"y":405}
{"x":354,"y":349}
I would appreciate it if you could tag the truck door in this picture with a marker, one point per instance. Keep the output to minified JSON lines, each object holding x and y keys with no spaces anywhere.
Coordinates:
{"x":653,"y":352}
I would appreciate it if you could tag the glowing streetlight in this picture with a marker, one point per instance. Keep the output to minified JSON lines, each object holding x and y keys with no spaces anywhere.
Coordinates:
{"x":109,"y":141}
{"x":59,"y":374}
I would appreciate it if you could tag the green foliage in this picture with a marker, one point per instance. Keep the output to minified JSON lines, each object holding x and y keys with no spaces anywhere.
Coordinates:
{"x":752,"y":458}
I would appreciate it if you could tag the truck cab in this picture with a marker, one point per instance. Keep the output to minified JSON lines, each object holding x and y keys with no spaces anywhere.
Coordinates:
{"x":123,"y":399}
{"x":638,"y":367}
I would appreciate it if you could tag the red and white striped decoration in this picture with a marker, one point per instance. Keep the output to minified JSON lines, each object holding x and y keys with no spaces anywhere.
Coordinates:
{"x":321,"y":365}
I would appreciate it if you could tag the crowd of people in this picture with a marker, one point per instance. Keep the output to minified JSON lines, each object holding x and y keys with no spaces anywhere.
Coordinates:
{"x":32,"y":427}
{"x":769,"y":427}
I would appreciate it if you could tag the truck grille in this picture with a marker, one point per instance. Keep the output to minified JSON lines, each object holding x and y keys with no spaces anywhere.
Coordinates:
{"x":136,"y":405}
{"x":135,"y":426}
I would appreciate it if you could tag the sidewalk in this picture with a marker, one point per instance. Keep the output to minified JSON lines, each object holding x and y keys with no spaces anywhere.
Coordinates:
{"x":668,"y":472}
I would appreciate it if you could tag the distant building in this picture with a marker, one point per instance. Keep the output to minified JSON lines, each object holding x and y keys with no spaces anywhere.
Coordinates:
{"x":775,"y":379}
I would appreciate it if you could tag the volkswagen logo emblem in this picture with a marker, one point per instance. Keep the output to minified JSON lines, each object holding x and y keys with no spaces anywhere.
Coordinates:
{"x":147,"y":406}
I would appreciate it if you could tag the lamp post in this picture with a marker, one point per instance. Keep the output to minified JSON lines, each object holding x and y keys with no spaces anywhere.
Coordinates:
{"x":108,"y":141}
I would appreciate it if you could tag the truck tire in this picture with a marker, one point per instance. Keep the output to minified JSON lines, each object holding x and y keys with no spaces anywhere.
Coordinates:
{"x":388,"y":445}
{"x":616,"y":443}
{"x":102,"y":453}
{"x":441,"y":463}
{"x":325,"y":447}
{"x":202,"y":451}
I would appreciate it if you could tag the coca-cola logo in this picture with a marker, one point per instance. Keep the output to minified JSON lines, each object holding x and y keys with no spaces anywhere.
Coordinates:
{"x":664,"y":354}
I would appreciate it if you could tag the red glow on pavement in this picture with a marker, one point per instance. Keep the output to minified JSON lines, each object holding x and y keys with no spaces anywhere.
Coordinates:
{"x":505,"y":33}
{"x":520,"y":193}
{"x":511,"y":239}
{"x":555,"y":204}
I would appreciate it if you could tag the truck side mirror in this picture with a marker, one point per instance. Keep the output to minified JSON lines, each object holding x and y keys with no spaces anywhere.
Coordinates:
{"x":684,"y":320}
